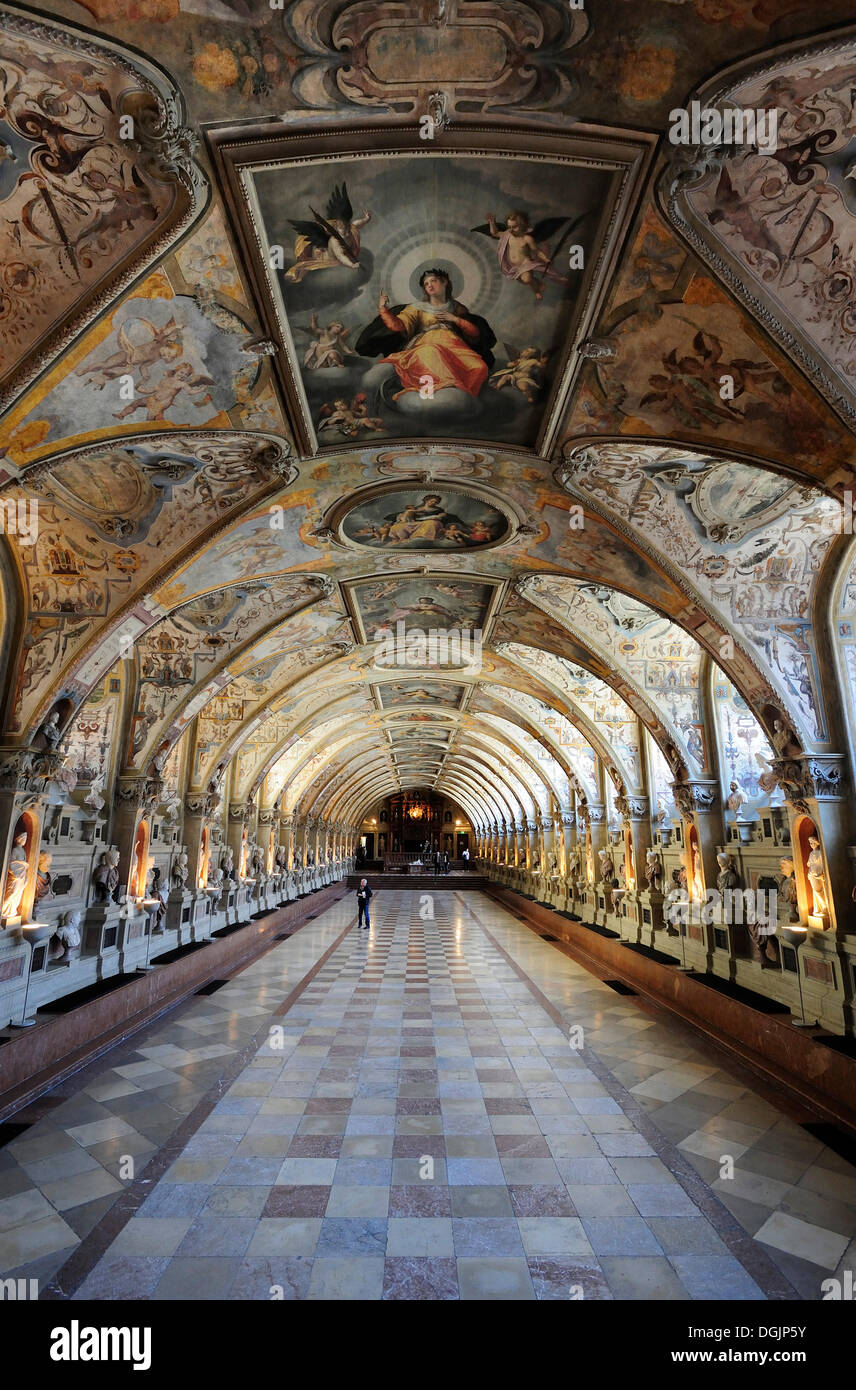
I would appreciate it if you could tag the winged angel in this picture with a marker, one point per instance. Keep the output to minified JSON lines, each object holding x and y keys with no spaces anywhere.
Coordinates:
{"x":522,"y":251}
{"x":328,"y":241}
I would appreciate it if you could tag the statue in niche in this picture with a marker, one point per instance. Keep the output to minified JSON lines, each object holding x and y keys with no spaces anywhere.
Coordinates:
{"x":48,"y":735}
{"x":16,"y":876}
{"x":735,"y":798}
{"x":607,"y":875}
{"x":653,"y":871}
{"x":215,"y":877}
{"x":256,"y":863}
{"x":817,"y":878}
{"x":44,"y":888}
{"x":180,"y":869}
{"x":227,"y":864}
{"x":698,"y":877}
{"x":620,"y":889}
{"x":156,"y":888}
{"x":65,"y":941}
{"x":784,"y":740}
{"x":106,"y":877}
{"x":280,"y":858}
{"x":764,"y":943}
{"x":788,"y":888}
{"x":728,"y":877}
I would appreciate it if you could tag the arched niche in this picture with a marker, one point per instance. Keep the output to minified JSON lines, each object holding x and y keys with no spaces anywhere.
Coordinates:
{"x":20,"y":881}
{"x":139,"y":861}
{"x":694,"y":865}
{"x":810,"y":866}
{"x":629,"y":860}
{"x":204,"y":856}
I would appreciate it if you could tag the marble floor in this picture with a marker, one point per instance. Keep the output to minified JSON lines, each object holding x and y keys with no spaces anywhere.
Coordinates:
{"x":446,"y":1107}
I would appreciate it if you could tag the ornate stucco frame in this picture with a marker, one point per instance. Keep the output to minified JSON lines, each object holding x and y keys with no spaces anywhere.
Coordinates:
{"x":237,"y":150}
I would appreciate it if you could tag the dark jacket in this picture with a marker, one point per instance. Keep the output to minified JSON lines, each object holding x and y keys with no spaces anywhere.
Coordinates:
{"x":364,"y":894}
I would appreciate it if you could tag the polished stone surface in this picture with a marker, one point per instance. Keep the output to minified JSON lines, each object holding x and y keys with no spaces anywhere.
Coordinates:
{"x":417,"y":1125}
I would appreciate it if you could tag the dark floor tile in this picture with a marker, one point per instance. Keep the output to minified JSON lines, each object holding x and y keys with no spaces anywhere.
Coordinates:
{"x":415,"y":1200}
{"x":297,"y":1201}
{"x":557,"y":1279}
{"x":420,"y":1279}
{"x":315,"y":1146}
{"x":541,"y":1200}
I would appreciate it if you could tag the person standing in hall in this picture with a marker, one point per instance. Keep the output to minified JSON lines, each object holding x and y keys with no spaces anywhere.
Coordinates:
{"x":466,"y":858}
{"x":436,"y":862}
{"x":364,"y":897}
{"x":445,"y":861}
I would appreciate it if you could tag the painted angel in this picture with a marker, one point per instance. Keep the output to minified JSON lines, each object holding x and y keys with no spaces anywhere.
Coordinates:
{"x":522,"y":251}
{"x":328,"y":348}
{"x":326,"y":242}
{"x":523,"y":371}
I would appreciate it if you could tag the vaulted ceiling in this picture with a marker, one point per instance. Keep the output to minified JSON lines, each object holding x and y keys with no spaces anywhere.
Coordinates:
{"x":625,"y":475}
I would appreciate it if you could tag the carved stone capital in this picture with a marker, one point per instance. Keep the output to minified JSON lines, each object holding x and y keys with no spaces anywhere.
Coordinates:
{"x":813,"y":777}
{"x":239,"y":811}
{"x":594,"y":813}
{"x":140,"y":793}
{"x":267,"y":816}
{"x":632,"y":807}
{"x":199,"y":803}
{"x":27,"y":772}
{"x":691,"y":797}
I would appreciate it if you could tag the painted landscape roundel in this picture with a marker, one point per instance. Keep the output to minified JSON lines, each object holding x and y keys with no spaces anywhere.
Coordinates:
{"x":419,"y":519}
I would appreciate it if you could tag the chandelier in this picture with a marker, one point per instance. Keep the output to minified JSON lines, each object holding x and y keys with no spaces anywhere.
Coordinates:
{"x":416,"y":812}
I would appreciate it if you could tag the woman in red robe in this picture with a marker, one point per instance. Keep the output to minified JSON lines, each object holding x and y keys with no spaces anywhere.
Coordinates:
{"x":442,"y":344}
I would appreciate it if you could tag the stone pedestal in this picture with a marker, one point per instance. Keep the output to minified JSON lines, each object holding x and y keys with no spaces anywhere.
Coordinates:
{"x":179,"y":909}
{"x":651,"y":921}
{"x":14,"y":969}
{"x":822,"y":969}
{"x":101,"y":929}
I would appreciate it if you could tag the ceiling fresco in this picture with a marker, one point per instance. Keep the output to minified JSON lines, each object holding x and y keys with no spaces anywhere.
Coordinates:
{"x":778,"y":225}
{"x":384,"y":351}
{"x":300,"y":385}
{"x":95,"y":183}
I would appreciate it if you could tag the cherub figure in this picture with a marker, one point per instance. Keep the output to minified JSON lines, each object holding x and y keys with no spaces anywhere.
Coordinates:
{"x":165,"y":392}
{"x":329,"y":348}
{"x":328,"y":241}
{"x":348,"y":418}
{"x":521,"y":252}
{"x":525,"y":371}
{"x":160,"y":345}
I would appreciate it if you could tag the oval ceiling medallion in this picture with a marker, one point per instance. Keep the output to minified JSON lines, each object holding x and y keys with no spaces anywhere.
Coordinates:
{"x":433,"y":517}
